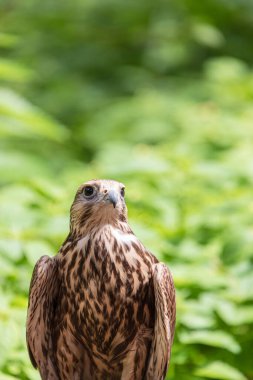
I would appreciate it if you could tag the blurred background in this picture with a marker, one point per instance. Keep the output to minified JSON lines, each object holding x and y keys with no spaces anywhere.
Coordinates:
{"x":158,"y":95}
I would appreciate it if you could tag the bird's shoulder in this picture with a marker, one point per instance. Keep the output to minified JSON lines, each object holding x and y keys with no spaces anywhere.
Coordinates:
{"x":46,"y":266}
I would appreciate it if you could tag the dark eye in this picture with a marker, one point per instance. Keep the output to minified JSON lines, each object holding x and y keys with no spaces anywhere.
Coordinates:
{"x":88,"y":191}
{"x":122,"y":192}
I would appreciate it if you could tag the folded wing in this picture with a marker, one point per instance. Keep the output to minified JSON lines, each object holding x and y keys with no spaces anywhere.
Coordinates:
{"x":165,"y":306}
{"x":43,"y":293}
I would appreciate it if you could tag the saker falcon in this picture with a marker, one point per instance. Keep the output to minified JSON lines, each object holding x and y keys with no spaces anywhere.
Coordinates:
{"x":104,"y":306}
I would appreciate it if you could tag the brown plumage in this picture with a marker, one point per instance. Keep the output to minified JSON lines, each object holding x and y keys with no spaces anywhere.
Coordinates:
{"x":104,"y":307}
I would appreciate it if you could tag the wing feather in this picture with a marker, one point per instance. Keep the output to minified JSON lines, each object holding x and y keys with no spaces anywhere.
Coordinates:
{"x":165,"y":306}
{"x":42,"y":297}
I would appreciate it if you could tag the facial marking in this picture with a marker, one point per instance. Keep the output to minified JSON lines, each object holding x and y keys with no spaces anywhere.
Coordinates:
{"x":98,"y":202}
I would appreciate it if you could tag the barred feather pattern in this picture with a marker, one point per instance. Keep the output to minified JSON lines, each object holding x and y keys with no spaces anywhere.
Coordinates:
{"x":104,"y":307}
{"x":42,"y":295}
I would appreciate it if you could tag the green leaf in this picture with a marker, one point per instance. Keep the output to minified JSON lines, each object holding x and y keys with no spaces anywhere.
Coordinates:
{"x":234,"y":315}
{"x":197,"y":321}
{"x":19,"y":117}
{"x":208,"y":35}
{"x":4,"y":376}
{"x":8,"y":40}
{"x":215,"y":338}
{"x":12,"y":249}
{"x":220,"y":370}
{"x":16,"y":166}
{"x":12,"y":71}
{"x":35,"y":249}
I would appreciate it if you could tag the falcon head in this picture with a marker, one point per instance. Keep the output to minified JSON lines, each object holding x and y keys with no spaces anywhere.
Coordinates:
{"x":98,"y":202}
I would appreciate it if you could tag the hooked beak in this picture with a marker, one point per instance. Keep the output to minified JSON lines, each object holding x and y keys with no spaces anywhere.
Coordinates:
{"x":112,"y":197}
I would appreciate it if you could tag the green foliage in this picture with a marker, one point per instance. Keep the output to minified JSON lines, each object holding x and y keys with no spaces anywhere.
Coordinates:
{"x":156,"y":95}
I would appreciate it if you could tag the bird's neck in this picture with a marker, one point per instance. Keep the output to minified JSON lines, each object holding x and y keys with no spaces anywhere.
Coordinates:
{"x":92,"y":229}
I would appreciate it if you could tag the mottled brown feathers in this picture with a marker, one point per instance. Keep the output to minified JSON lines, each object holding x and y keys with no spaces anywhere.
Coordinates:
{"x":104,"y":307}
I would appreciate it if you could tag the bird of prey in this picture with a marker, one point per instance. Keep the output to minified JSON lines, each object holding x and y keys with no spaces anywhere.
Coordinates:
{"x":104,"y":307}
